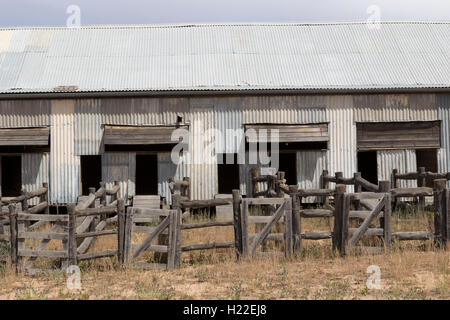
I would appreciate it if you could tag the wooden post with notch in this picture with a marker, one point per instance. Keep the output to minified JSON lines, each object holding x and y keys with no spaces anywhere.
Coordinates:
{"x":13,"y":233}
{"x":128,"y":230}
{"x":395,"y":186}
{"x":237,"y":222}
{"x":72,"y":240}
{"x":325,"y":184}
{"x":339,"y":218}
{"x":121,"y":233}
{"x":358,"y":187}
{"x":440,"y":211}
{"x":296,"y":219}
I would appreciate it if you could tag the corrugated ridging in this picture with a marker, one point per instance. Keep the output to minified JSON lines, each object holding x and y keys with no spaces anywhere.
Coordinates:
{"x":35,"y":171}
{"x":88,"y":127}
{"x":400,"y":107}
{"x":64,"y":164}
{"x":120,"y":166}
{"x":310,"y":165}
{"x":444,"y":116}
{"x":226,"y":56}
{"x":203,"y":167}
{"x":402,"y":160}
{"x":341,"y":156}
{"x":167,"y":169}
{"x":24,"y":113}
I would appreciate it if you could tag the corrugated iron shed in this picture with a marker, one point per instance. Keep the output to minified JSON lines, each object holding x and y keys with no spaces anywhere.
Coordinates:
{"x":320,"y":56}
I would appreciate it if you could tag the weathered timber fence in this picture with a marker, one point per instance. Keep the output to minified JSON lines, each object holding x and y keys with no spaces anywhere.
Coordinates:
{"x":41,"y":207}
{"x":421,"y":176}
{"x":76,"y":237}
{"x":346,"y":238}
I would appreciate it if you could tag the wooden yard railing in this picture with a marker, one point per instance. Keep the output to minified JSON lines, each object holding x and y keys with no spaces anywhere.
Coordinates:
{"x":76,"y":230}
{"x":41,"y":207}
{"x":421,"y":176}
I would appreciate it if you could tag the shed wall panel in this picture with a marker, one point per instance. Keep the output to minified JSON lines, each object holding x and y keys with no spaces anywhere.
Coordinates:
{"x":65,"y":165}
{"x":310,"y":165}
{"x":402,"y":160}
{"x":341,"y":155}
{"x":35,"y":171}
{"x":120,"y":166}
{"x":88,"y":127}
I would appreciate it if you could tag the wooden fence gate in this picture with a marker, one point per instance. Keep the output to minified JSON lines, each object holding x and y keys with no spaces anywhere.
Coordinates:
{"x":242,"y":217}
{"x":346,"y":238}
{"x":169,"y":220}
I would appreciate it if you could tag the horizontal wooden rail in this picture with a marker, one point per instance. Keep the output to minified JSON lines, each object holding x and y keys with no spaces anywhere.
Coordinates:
{"x":206,"y":246}
{"x":316,"y":213}
{"x":43,"y":235}
{"x":197,"y":204}
{"x":379,"y":232}
{"x":319,"y":235}
{"x":415,"y":235}
{"x":96,"y":234}
{"x":42,"y":217}
{"x":315,"y":192}
{"x":412,"y":192}
{"x":207,"y":224}
{"x":97,"y":255}
{"x":42,"y":253}
{"x":95,"y":211}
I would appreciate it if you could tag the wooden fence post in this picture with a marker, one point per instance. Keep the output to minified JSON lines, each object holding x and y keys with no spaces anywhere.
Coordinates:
{"x":24,"y":204}
{"x":358,"y":187}
{"x":121,"y":234}
{"x":288,"y":241}
{"x":13,"y":236}
{"x":128,"y":230}
{"x":387,"y":220}
{"x":171,"y":245}
{"x":325,"y":184}
{"x":338,"y":218}
{"x":395,"y":185}
{"x":421,"y":182}
{"x":72,"y":240}
{"x":179,"y":239}
{"x":447,"y":218}
{"x":254,"y":173}
{"x":296,"y":219}
{"x":237,"y":222}
{"x":187,"y":190}
{"x":440,"y":211}
{"x":338,"y":175}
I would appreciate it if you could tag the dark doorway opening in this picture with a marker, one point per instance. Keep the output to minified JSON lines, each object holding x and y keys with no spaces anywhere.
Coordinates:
{"x":146,"y":174}
{"x":91,"y":173}
{"x":11,"y":176}
{"x":288,"y":165}
{"x":228,"y":173}
{"x":427,"y":158}
{"x":367,"y":165}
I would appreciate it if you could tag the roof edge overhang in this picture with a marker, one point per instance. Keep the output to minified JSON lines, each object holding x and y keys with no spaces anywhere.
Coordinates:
{"x":211,"y":92}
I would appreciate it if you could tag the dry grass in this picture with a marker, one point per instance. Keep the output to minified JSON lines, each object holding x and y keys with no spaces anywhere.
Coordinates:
{"x":413,"y":270}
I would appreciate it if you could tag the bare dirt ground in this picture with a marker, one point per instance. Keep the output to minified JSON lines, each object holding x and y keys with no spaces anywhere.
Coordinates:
{"x":413,"y":270}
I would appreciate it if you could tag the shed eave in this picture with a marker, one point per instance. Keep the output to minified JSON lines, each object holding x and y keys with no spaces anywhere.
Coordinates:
{"x":227,"y":91}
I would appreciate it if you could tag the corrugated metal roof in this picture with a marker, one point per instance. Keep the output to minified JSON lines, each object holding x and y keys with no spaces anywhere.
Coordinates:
{"x":320,"y":56}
